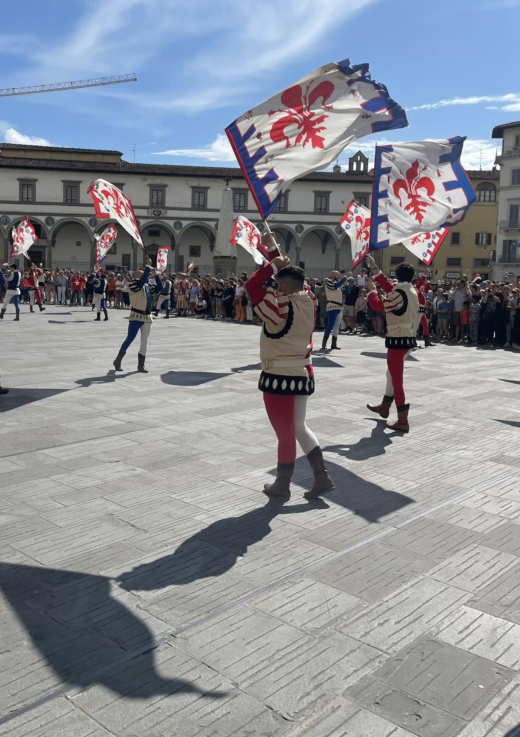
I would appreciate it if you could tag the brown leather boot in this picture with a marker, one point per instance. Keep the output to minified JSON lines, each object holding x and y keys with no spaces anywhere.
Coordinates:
{"x":402,"y":420}
{"x":281,"y":488}
{"x":322,"y":481}
{"x":383,"y":409}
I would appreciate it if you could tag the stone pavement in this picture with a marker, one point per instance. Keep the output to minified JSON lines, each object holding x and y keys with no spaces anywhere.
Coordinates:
{"x":148,"y":588}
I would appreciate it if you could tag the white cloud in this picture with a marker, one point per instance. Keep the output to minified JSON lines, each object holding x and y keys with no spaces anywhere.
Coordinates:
{"x":108,"y":39}
{"x":11,"y":135}
{"x":219,"y":150}
{"x":512,"y":99}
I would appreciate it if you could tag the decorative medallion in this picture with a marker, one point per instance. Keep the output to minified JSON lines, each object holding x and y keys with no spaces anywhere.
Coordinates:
{"x":5,"y":220}
{"x":50,"y":221}
{"x":299,"y":228}
{"x":177,"y":225}
{"x":92,"y":222}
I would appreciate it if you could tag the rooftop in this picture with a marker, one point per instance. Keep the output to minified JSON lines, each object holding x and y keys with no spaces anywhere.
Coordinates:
{"x":498,"y":130}
{"x":57,"y":149}
{"x":483,"y":173}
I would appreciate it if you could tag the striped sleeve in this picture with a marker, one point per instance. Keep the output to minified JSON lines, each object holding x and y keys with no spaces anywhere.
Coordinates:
{"x":393,"y":301}
{"x":274,"y":310}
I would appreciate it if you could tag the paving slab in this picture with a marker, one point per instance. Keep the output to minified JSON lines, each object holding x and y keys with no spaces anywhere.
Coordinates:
{"x":147,"y":587}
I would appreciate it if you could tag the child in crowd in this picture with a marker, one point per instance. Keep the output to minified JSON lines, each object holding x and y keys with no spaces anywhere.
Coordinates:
{"x":443,"y":312}
{"x":464,"y":322}
{"x":361,"y":307}
{"x":474,"y":317}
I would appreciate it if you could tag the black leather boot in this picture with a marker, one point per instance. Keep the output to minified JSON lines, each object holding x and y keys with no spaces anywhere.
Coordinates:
{"x":41,"y":308}
{"x":31,"y":308}
{"x":140,"y":365}
{"x":324,"y":343}
{"x":117,"y":362}
{"x":322,"y":481}
{"x":17,"y":318}
{"x":2,"y":313}
{"x":98,"y":318}
{"x":4,"y":391}
{"x":335,"y":346}
{"x":106,"y":315}
{"x":281,"y":488}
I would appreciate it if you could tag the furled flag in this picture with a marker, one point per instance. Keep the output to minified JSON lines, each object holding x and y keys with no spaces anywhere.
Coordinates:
{"x":356,"y":224}
{"x":426,"y":245}
{"x":24,"y":236}
{"x":247,"y":235}
{"x":110,"y":202}
{"x":105,"y":242}
{"x":418,"y":187}
{"x":306,"y":126}
{"x":162,"y":258}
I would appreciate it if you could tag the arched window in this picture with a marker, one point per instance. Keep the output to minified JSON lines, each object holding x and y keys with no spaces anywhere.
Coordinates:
{"x":486,"y":192}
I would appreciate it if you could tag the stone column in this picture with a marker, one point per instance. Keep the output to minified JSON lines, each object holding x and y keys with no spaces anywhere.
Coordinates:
{"x":337,"y":252}
{"x":225,"y":257}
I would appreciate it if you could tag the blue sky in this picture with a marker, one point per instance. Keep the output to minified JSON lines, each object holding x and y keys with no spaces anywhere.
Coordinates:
{"x":453,"y":64}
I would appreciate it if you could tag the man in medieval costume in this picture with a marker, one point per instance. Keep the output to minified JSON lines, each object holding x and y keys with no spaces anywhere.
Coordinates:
{"x":34,"y":290}
{"x":140,"y":319}
{"x":401,"y":306}
{"x":13,"y":291}
{"x":334,"y":293}
{"x":287,"y":378}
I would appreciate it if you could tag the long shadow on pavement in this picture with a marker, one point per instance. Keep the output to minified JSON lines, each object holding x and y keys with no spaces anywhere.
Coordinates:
{"x":365,"y":448}
{"x":511,"y":423}
{"x":108,"y":378}
{"x":82,"y":632}
{"x":190,"y":378}
{"x":515,"y":732}
{"x":20,"y":397}
{"x":212,"y":551}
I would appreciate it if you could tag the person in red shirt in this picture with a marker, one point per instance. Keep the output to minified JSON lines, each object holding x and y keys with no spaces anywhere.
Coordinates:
{"x":78,"y":285}
{"x":111,"y":295}
{"x":34,"y":292}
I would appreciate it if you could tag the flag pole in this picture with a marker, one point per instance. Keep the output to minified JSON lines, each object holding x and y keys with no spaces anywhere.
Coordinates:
{"x":273,"y":241}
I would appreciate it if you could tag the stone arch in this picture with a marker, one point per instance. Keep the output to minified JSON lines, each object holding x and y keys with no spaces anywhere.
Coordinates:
{"x":65,"y":256}
{"x":289,"y":236}
{"x":207,"y":246}
{"x":174,"y":235}
{"x":319,"y":251}
{"x":345,"y":253}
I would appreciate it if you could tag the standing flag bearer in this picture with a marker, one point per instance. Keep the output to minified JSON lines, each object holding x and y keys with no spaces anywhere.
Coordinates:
{"x":100,"y":290}
{"x":287,"y":378}
{"x":140,"y":314}
{"x":12,"y":294}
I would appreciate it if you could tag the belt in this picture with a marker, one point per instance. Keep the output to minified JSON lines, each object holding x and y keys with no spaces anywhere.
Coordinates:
{"x":330,"y":302}
{"x":297,"y":363}
{"x":140,"y":312}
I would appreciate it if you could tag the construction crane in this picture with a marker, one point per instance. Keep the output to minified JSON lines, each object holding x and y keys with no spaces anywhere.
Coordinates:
{"x":60,"y":86}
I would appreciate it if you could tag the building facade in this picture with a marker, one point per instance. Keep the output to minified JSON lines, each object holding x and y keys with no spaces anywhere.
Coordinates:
{"x":508,"y":226}
{"x":176,"y":206}
{"x":471,"y":245}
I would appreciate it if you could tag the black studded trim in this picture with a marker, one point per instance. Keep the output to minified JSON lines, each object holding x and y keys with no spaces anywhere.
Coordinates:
{"x":286,"y":385}
{"x":401,"y":343}
{"x":402,"y":309}
{"x":422,"y":310}
{"x":288,"y":325}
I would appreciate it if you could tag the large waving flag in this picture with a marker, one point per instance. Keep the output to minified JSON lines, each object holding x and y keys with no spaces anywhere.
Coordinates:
{"x":305,"y":127}
{"x":426,"y":245}
{"x":356,"y":224}
{"x":418,"y":188}
{"x":105,"y":242}
{"x":24,"y":236}
{"x":110,"y":202}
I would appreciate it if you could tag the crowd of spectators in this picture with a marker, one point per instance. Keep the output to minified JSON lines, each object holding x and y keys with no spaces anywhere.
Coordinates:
{"x":481,"y":313}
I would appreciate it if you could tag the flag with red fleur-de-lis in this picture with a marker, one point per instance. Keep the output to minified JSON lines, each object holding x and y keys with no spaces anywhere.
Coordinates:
{"x":419,"y":188}
{"x":24,"y":236}
{"x":110,"y":202}
{"x":426,"y":245}
{"x":306,"y":126}
{"x":356,"y":224}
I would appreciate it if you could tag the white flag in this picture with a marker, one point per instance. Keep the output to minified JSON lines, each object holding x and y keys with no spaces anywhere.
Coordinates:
{"x":246,"y":234}
{"x":162,"y":258}
{"x":356,"y":224}
{"x":306,"y":126}
{"x":105,"y":242}
{"x":24,"y":236}
{"x":418,"y":188}
{"x":110,"y":202}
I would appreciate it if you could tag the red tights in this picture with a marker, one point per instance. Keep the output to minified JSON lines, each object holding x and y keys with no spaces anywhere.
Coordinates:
{"x":280,"y":410}
{"x":395,"y":362}
{"x":425,"y":328}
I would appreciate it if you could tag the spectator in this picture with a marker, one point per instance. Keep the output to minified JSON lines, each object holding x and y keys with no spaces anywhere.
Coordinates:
{"x":464,"y":322}
{"x":240,"y":302}
{"x":361,"y":306}
{"x":219,"y":300}
{"x":351,"y":293}
{"x":62,"y":282}
{"x":119,"y":291}
{"x":112,"y":288}
{"x":460,"y":295}
{"x":362,"y":277}
{"x":229,"y":299}
{"x":443,"y":321}
{"x":474,"y":318}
